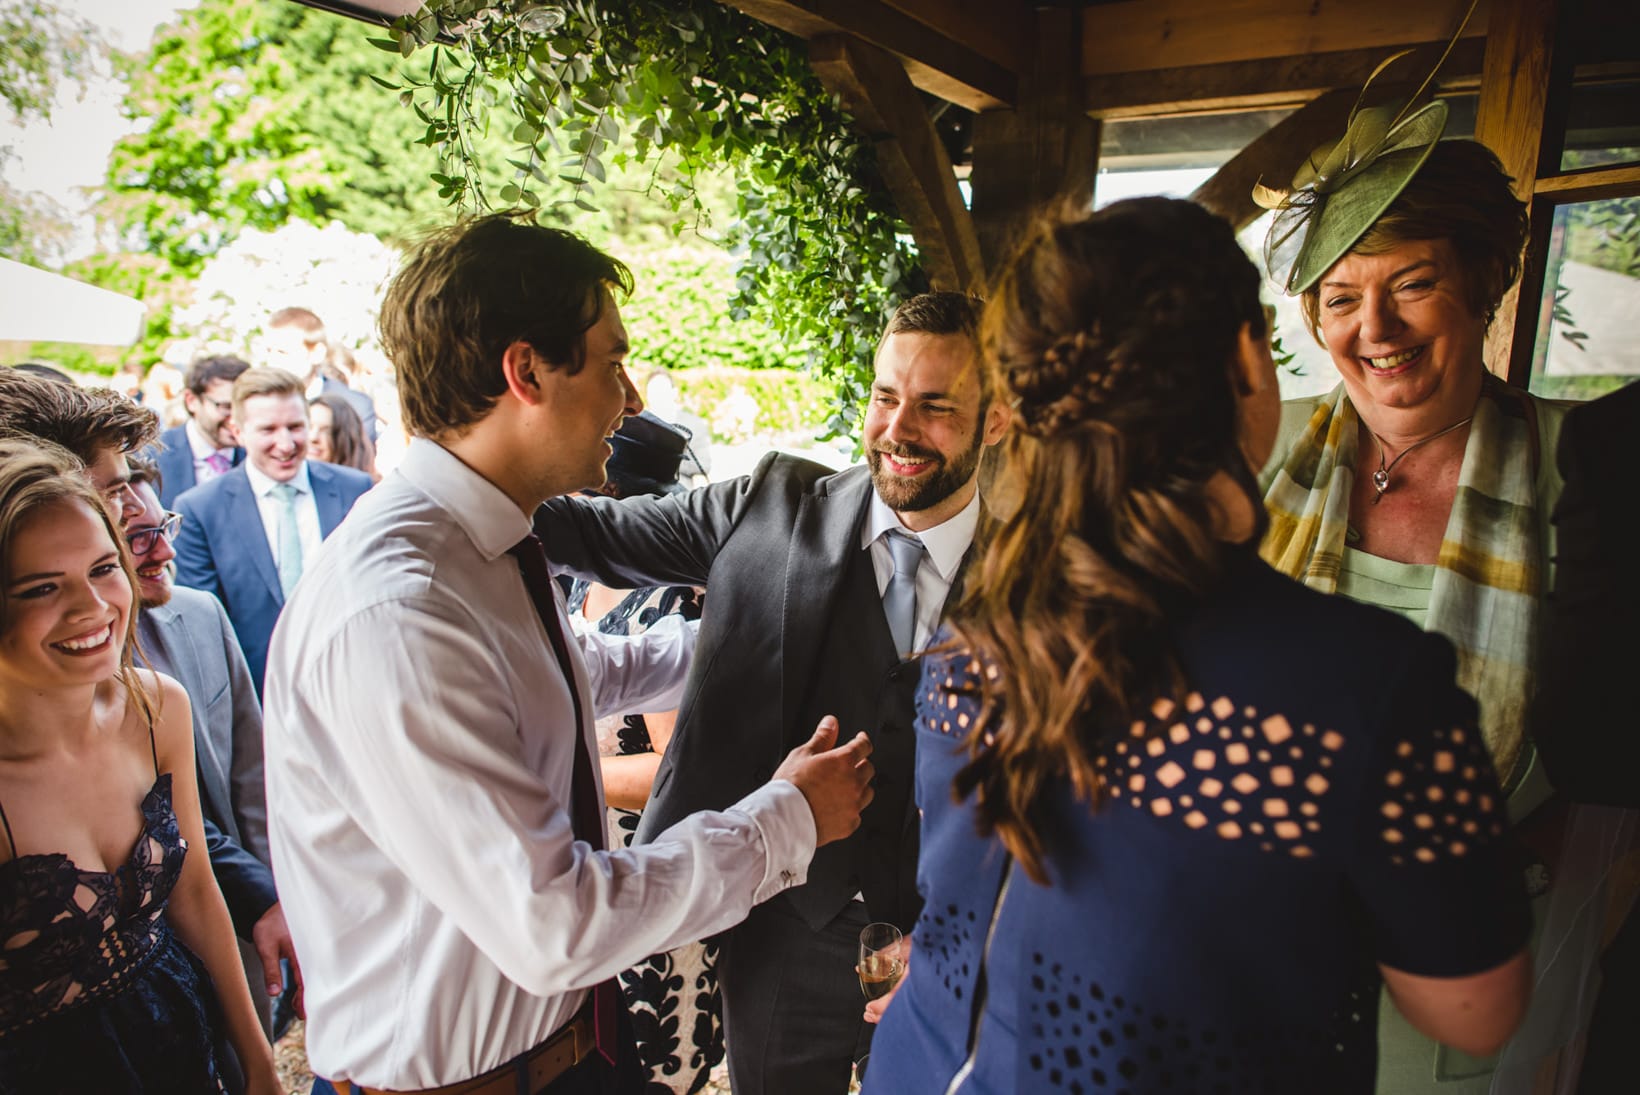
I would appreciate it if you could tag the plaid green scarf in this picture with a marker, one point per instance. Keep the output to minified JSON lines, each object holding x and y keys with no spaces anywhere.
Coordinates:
{"x":1492,"y":566}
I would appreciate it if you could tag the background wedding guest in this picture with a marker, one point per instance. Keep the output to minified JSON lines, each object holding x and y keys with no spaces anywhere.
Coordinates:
{"x":248,"y":535}
{"x":120,"y":972}
{"x":1173,"y":832}
{"x":295,"y":341}
{"x":336,"y":436}
{"x":206,"y":445}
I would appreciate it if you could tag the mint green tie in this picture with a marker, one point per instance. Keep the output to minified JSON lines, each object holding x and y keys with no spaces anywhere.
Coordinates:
{"x":289,"y":538}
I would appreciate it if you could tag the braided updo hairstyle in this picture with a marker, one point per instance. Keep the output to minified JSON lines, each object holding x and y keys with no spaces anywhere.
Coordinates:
{"x":1113,"y":336}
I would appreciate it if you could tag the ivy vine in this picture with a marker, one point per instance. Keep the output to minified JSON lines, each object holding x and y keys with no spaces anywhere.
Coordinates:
{"x":821,"y":255}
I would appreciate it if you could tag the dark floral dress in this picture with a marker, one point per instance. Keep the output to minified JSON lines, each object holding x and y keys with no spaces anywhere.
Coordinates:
{"x":97,"y":996}
{"x":673,"y":998}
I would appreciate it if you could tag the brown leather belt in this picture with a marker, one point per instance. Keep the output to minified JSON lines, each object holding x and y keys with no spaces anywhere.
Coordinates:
{"x":531,"y":1071}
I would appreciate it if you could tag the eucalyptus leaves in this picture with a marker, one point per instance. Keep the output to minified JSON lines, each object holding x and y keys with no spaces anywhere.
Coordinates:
{"x":821,"y":253}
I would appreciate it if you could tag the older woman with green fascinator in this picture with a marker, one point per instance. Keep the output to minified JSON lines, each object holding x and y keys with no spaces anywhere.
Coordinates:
{"x":1422,"y":483}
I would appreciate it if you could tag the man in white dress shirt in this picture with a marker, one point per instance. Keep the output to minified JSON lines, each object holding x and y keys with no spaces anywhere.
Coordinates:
{"x":428,"y":780}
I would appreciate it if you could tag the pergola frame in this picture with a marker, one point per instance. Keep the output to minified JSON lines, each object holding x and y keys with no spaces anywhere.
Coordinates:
{"x":1040,"y":79}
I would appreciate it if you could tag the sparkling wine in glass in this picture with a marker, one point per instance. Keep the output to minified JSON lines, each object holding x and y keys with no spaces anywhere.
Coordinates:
{"x":882,"y":960}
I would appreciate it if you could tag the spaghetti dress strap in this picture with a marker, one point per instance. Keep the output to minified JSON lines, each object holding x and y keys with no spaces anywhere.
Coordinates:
{"x":6,"y":821}
{"x":153,"y":750}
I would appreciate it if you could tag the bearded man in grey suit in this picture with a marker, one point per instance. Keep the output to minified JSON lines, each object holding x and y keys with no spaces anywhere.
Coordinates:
{"x":820,"y":587}
{"x":185,"y":634}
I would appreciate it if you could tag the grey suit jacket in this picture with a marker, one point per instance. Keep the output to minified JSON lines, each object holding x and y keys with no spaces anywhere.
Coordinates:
{"x":771,"y":548}
{"x":191,"y":639}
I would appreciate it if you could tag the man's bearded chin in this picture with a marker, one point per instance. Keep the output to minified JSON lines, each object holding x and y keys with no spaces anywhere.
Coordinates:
{"x":925,"y":491}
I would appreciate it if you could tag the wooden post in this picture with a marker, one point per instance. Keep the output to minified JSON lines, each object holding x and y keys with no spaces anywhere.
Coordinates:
{"x":1045,"y":150}
{"x":1520,"y":117}
{"x":874,"y":87}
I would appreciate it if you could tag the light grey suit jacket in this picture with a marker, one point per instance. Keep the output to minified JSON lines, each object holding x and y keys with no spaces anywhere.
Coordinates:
{"x":191,"y":639}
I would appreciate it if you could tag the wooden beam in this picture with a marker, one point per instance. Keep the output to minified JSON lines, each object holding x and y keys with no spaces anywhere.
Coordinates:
{"x":875,"y":88}
{"x":1136,"y":35}
{"x":987,"y":27}
{"x":1589,"y":185}
{"x":936,"y":62}
{"x":1274,"y":157}
{"x":1510,"y":119}
{"x":1043,"y":152}
{"x":1253,"y":85}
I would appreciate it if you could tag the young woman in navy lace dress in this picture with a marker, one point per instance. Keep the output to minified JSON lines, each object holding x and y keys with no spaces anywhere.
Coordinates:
{"x":1181,"y":815}
{"x":112,"y":930}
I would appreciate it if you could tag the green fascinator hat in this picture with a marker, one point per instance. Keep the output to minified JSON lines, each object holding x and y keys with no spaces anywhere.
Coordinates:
{"x":1340,"y":191}
{"x":1343,"y":188}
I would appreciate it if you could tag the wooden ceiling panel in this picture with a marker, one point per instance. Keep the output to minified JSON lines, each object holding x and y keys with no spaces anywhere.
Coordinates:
{"x":1269,"y":83}
{"x":1143,"y":35}
{"x":938,"y":61}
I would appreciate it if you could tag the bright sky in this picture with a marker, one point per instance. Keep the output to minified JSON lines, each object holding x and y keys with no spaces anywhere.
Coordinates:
{"x":62,"y":156}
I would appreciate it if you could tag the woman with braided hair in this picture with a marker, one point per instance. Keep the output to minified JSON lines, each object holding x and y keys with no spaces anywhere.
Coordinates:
{"x":1176,"y":827}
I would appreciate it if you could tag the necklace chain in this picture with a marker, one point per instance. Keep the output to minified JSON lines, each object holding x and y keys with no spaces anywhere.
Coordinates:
{"x":1380,"y":478}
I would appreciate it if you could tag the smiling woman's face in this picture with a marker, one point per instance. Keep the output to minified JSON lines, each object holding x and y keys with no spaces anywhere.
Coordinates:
{"x":67,"y":600}
{"x":1402,"y":333}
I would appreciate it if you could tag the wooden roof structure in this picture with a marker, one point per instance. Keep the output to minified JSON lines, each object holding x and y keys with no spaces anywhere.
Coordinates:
{"x":1013,"y":94}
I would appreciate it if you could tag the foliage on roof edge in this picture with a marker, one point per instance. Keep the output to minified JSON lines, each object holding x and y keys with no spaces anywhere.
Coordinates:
{"x":821,"y":253}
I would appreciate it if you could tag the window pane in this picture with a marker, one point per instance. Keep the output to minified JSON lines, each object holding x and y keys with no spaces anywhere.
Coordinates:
{"x":1602,"y":126}
{"x":1589,"y":337}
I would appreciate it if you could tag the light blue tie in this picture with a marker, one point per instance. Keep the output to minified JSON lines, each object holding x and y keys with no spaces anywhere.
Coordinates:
{"x":289,"y":538}
{"x":900,"y":597}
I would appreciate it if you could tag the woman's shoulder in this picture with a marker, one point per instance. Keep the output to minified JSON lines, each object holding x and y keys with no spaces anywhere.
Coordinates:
{"x":1267,"y":627}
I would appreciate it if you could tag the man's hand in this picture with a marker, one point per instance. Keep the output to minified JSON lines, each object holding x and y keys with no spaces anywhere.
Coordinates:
{"x":271,"y":938}
{"x":837,"y":782}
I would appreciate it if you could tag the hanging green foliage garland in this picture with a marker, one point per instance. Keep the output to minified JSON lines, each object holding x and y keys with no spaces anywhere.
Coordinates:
{"x":821,"y":254}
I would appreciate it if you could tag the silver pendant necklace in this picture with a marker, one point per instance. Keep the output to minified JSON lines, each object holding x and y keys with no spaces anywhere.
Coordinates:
{"x":1380,"y":478}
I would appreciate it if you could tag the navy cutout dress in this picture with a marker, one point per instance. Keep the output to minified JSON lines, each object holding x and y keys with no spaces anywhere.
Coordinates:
{"x":1320,"y":802}
{"x":97,"y":996}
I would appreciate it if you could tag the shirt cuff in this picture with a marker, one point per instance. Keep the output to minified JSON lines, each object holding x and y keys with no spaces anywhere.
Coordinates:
{"x":786,"y":824}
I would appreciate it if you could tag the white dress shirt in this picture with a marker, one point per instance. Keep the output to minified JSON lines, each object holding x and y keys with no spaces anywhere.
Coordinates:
{"x":202,"y":448}
{"x":944,"y":545}
{"x":270,"y":507}
{"x":419,"y":768}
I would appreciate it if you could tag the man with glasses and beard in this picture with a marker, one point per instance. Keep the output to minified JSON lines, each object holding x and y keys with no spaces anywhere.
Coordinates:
{"x":185,"y":634}
{"x":823,"y":586}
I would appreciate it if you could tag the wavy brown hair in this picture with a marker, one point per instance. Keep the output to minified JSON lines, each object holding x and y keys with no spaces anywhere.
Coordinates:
{"x":1112,"y":336}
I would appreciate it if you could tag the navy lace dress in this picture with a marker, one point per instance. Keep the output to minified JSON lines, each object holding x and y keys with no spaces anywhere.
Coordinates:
{"x":1317,"y":802}
{"x":97,"y":996}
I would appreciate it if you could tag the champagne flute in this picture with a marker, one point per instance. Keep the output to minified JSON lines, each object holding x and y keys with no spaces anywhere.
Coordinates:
{"x":882,"y":960}
{"x":859,"y":1074}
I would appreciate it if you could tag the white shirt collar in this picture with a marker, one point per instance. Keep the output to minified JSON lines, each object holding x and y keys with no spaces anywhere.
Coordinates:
{"x":946,"y":543}
{"x":201,"y":446}
{"x":261,"y":484}
{"x":491,"y":520}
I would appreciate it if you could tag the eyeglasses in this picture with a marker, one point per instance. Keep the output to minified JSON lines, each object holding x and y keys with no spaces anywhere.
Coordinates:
{"x":142,"y":540}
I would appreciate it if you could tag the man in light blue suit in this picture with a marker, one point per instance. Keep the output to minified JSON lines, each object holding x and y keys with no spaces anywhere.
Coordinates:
{"x":185,"y":634}
{"x":246,"y":536}
{"x":205,"y":446}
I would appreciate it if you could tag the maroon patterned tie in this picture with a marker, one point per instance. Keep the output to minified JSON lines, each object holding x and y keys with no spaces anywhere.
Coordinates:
{"x":586,"y":807}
